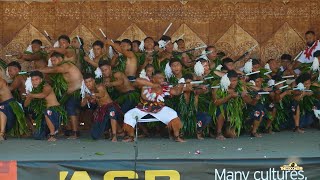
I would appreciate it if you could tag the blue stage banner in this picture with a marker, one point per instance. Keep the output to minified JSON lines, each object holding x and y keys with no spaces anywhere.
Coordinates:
{"x":232,"y":169}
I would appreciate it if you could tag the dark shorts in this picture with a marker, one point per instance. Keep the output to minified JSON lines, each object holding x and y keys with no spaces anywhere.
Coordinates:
{"x":99,"y":127}
{"x":72,"y":105}
{"x":54,"y":117}
{"x":8,"y":111}
{"x":294,"y":106}
{"x":270,"y":107}
{"x":131,"y":78}
{"x":257,"y":112}
{"x":203,"y":120}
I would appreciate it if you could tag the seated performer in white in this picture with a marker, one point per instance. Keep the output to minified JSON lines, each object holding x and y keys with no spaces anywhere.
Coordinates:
{"x":152,"y":103}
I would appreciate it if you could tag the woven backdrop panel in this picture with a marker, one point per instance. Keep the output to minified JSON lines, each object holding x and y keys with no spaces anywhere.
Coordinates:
{"x":233,"y":26}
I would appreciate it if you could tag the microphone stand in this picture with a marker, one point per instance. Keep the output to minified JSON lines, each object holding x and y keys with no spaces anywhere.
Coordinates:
{"x":136,"y":147}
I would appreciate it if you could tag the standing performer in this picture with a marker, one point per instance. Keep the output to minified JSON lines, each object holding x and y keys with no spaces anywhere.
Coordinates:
{"x":73,"y":78}
{"x":149,"y":55}
{"x":69,"y":53}
{"x":166,"y":54}
{"x":130,"y":65}
{"x":312,"y":46}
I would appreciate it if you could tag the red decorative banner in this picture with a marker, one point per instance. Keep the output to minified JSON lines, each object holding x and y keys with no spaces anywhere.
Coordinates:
{"x":8,"y":170}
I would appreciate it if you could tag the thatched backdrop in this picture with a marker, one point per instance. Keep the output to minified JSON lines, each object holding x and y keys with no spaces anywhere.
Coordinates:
{"x":278,"y":26}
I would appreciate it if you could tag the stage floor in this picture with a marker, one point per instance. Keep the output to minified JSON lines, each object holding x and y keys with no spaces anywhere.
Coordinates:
{"x":280,"y":145}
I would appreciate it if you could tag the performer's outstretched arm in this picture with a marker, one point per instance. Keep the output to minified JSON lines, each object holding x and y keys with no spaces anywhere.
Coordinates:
{"x":29,"y":57}
{"x":177,"y":90}
{"x":52,"y":70}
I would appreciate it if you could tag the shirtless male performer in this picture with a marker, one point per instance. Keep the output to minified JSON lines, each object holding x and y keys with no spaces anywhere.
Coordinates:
{"x":37,"y":56}
{"x":51,"y":115}
{"x":73,"y":77}
{"x":125,"y":49}
{"x":107,"y":114}
{"x":8,"y":112}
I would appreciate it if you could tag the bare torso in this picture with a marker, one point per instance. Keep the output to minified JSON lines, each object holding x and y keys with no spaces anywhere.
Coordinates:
{"x":106,"y":99}
{"x":73,"y":77}
{"x":72,"y":56}
{"x":20,"y":80}
{"x":125,"y":86}
{"x":5,"y":92}
{"x":131,"y":66}
{"x":51,"y":99}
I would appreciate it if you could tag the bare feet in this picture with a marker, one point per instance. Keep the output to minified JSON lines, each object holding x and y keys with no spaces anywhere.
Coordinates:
{"x":255,"y":134}
{"x":74,"y":135}
{"x":211,"y":135}
{"x":2,"y":136}
{"x":128,"y":139}
{"x":52,"y":138}
{"x":220,"y":137}
{"x":270,"y":131}
{"x":298,"y":130}
{"x":114,"y":138}
{"x":121,"y":134}
{"x":179,"y":139}
{"x":200,"y":136}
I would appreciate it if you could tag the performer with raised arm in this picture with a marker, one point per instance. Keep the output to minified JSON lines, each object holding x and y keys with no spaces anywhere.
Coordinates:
{"x":72,"y":78}
{"x":96,"y":54}
{"x":65,"y":48}
{"x":165,"y":55}
{"x":128,"y":64}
